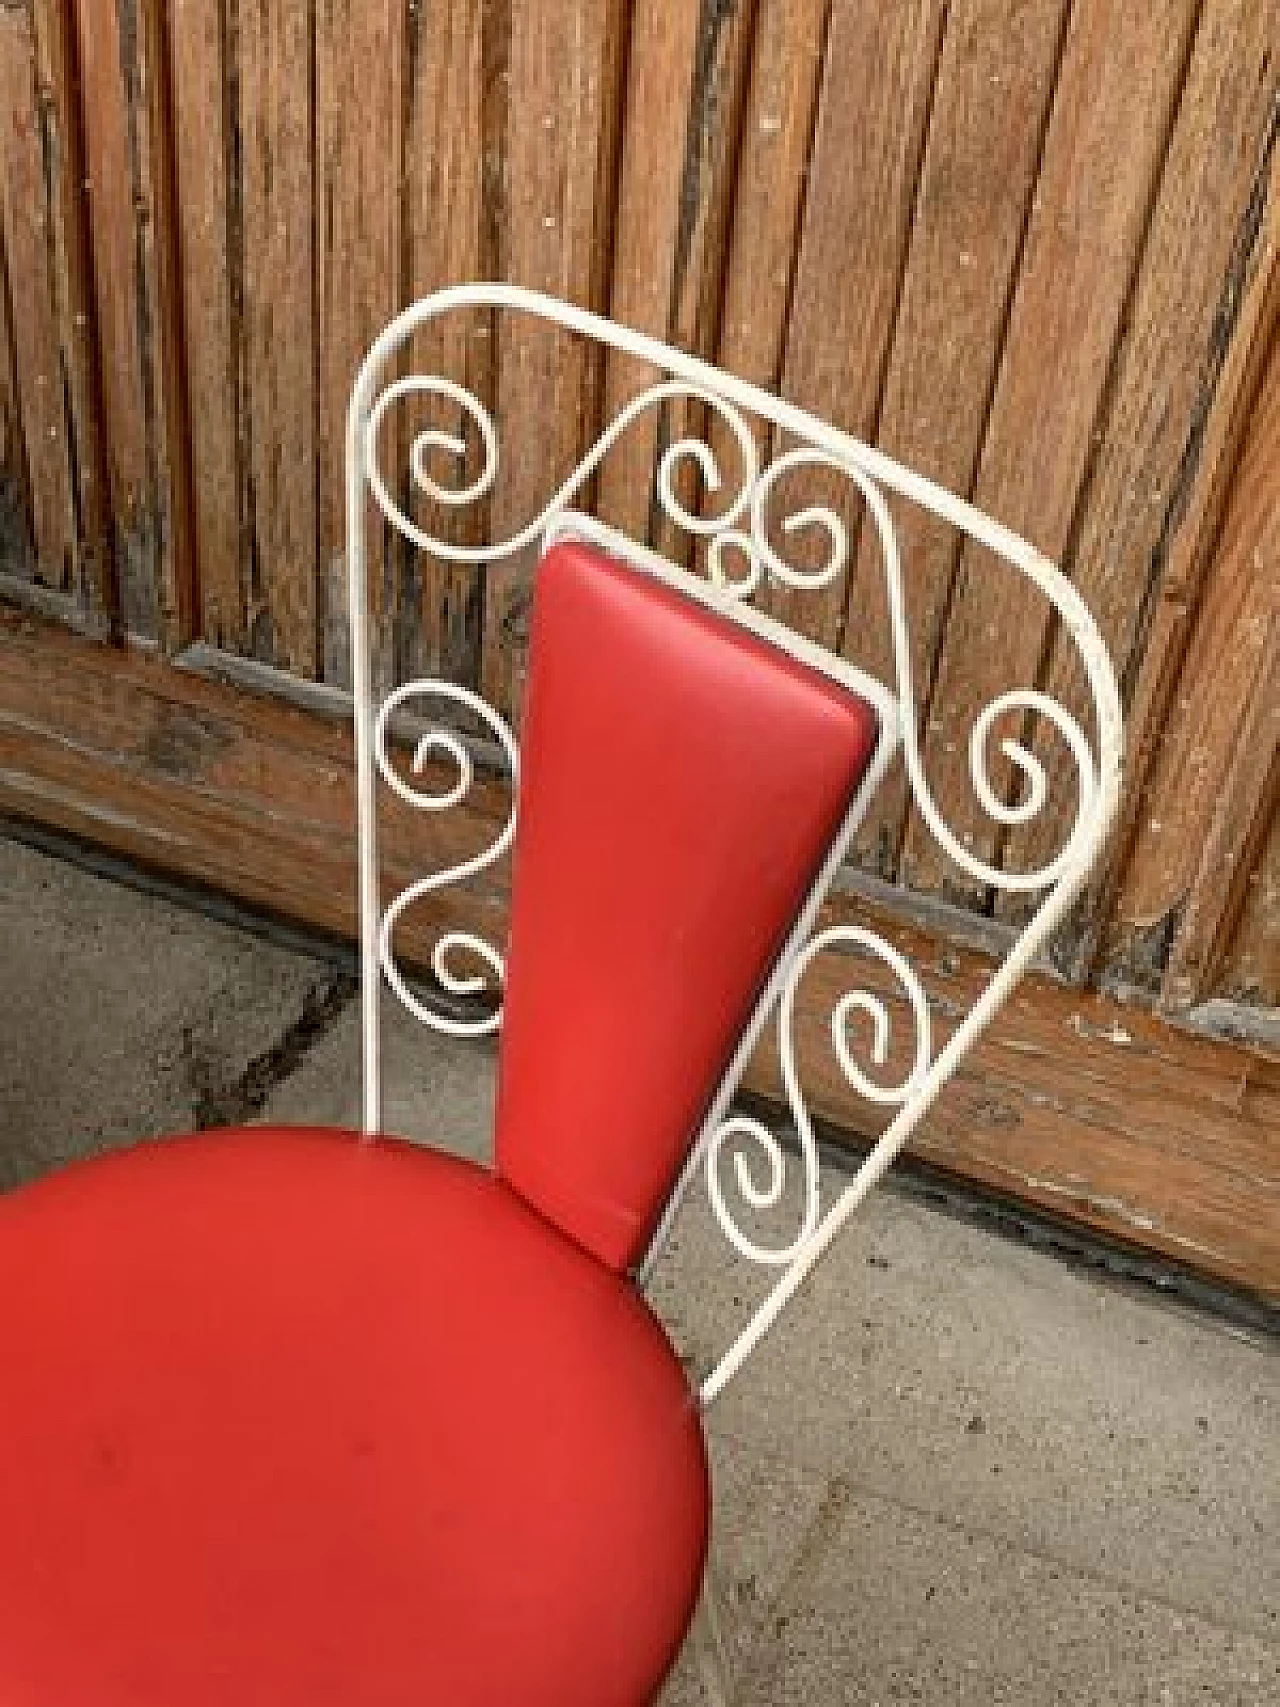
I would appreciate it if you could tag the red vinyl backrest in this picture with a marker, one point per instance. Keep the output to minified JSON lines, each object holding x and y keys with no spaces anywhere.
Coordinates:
{"x":682,"y":782}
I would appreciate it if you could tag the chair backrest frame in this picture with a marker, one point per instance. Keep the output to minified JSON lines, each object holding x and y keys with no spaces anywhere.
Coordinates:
{"x":741,"y":531}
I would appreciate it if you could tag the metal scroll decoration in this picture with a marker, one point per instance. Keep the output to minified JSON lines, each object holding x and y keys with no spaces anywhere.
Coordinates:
{"x":740,"y":559}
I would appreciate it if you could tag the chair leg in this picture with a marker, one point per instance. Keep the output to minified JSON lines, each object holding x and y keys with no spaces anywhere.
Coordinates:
{"x":707,"y":1636}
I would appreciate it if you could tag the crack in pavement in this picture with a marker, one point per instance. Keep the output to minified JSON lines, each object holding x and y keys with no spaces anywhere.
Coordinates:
{"x":247,"y":1095}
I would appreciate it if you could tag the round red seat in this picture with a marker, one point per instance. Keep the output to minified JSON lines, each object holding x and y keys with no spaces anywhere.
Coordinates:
{"x":288,"y":1418}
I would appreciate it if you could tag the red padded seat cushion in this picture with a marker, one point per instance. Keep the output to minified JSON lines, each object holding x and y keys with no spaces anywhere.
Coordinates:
{"x":682,"y":781}
{"x":292,"y":1420}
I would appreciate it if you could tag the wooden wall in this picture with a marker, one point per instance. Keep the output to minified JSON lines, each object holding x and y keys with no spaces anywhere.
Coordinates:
{"x":1029,"y":246}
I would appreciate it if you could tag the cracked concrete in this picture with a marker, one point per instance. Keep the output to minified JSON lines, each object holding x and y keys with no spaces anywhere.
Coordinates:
{"x":963,"y":1473}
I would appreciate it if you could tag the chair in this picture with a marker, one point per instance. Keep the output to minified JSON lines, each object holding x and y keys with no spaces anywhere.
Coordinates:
{"x":295,"y":1417}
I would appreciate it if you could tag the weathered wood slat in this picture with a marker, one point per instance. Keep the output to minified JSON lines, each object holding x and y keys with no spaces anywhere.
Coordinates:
{"x":771,"y":174}
{"x":1093,"y":1109}
{"x":1202,"y":286}
{"x":276,"y":71}
{"x":1119,"y":83}
{"x":661,"y":63}
{"x":73,"y":292}
{"x":205,"y":103}
{"x":32,"y":301}
{"x":1232,"y":872}
{"x":563,"y":107}
{"x":359,"y":117}
{"x":986,"y":129}
{"x":138,"y":414}
{"x":715,"y":152}
{"x":1250,"y":970}
{"x":1212,"y":778}
{"x":453,"y":171}
{"x":873,"y":110}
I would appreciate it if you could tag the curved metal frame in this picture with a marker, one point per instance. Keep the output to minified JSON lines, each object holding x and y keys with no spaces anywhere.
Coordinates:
{"x":739,"y":533}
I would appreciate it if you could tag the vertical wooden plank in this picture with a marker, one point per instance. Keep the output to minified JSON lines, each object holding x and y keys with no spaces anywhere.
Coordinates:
{"x":276,"y":71}
{"x":360,"y":54}
{"x":17,"y":550}
{"x":562,"y":129}
{"x":1120,"y":79}
{"x":986,"y":129}
{"x":1198,"y":290}
{"x":712,"y":157}
{"x":1250,"y":969}
{"x":1191,"y":804}
{"x":686,"y":73}
{"x":139,"y":416}
{"x":768,"y":204}
{"x":25,"y":211}
{"x":204,"y":93}
{"x":861,"y":191}
{"x":1222,"y":908}
{"x":73,"y":292}
{"x":451,"y":162}
{"x":660,"y":68}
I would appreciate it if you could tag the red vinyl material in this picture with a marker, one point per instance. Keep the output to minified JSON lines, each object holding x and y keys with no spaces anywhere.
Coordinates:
{"x":682,"y":783}
{"x":291,"y":1420}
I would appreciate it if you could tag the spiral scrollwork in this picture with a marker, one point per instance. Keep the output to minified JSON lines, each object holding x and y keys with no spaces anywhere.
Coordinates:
{"x":682,"y":451}
{"x":443,"y":744}
{"x":741,"y":1133}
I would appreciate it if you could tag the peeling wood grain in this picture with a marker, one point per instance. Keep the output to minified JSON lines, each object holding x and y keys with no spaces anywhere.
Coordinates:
{"x":1120,"y":80}
{"x":1231,"y":862}
{"x":986,"y":130}
{"x":32,"y":304}
{"x":853,"y":247}
{"x":276,"y":73}
{"x":205,"y":132}
{"x":1218,"y":738}
{"x":72,"y":269}
{"x":658,"y":118}
{"x":563,"y":119}
{"x":454,"y":145}
{"x":112,"y":49}
{"x":360,"y":167}
{"x":715,"y":150}
{"x":1163,"y":449}
{"x":1250,"y":970}
{"x":768,"y":191}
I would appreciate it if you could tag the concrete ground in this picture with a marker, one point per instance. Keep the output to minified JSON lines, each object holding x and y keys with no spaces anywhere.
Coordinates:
{"x":963,"y":1471}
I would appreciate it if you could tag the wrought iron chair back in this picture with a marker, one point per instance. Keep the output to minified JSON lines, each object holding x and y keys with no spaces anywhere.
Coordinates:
{"x":740,"y":557}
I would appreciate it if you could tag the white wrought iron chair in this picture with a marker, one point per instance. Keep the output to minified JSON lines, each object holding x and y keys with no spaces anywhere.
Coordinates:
{"x":295,"y":1418}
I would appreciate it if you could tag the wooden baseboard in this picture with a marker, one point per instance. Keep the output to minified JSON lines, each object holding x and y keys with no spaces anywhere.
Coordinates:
{"x":1093,"y":1109}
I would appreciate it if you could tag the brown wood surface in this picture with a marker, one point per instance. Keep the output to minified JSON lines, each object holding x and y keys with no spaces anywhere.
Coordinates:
{"x":276,"y":67}
{"x":205,"y":116}
{"x":1106,"y":936}
{"x":1201,"y":288}
{"x":873,"y":111}
{"x":716,"y":149}
{"x":1093,"y":1109}
{"x":1233,"y":886}
{"x":986,"y":130}
{"x":566,"y":59}
{"x":453,"y":154}
{"x":1250,"y":969}
{"x":32,"y":301}
{"x":360,"y":53}
{"x":1118,"y":87}
{"x":72,"y":277}
{"x":15,"y":541}
{"x":137,"y":414}
{"x":768,"y":191}
{"x":661,"y":64}
{"x":1211,"y":790}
